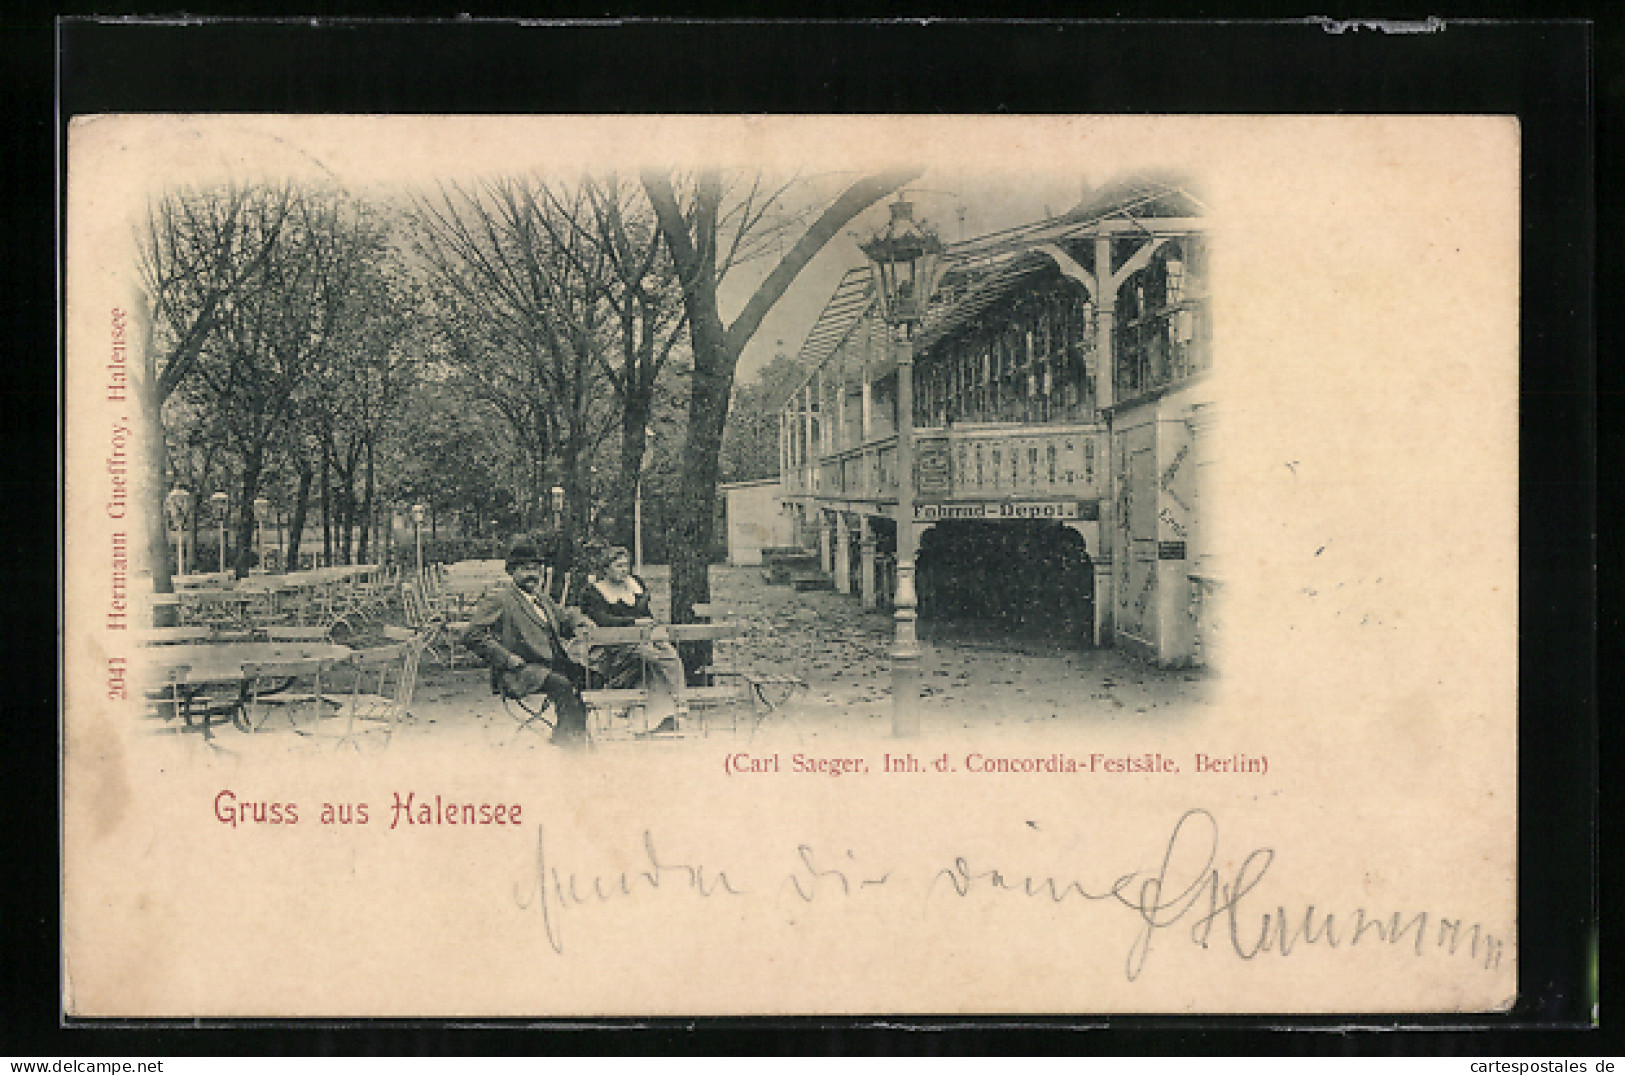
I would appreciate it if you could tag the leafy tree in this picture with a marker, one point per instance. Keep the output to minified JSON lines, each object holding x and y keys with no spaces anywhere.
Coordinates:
{"x":456,"y":461}
{"x":750,"y":441}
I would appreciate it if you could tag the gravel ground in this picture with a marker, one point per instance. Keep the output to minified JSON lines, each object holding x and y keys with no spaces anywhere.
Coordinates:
{"x":973,"y":676}
{"x":976,"y":679}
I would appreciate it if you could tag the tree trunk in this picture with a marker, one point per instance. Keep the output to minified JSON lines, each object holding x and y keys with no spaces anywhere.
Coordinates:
{"x":693,"y":243}
{"x":199,"y":500}
{"x":327,"y":511}
{"x":690,"y":554}
{"x":245,"y":516}
{"x":533,"y":490}
{"x":195,"y":524}
{"x":571,"y":480}
{"x":634,"y":452}
{"x":346,"y":517}
{"x":696,"y":504}
{"x":296,"y":528}
{"x":366,"y":510}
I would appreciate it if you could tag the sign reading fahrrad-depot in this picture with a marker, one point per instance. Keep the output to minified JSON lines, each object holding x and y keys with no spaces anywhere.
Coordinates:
{"x":1007,"y":509}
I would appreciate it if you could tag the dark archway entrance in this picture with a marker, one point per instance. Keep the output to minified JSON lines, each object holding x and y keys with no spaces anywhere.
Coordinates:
{"x":1029,"y":576}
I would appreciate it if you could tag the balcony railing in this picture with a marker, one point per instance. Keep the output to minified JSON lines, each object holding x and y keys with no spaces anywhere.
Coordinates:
{"x":966,"y":463}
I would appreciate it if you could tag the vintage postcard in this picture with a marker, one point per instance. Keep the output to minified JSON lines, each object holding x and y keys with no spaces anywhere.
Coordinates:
{"x":574,"y":567}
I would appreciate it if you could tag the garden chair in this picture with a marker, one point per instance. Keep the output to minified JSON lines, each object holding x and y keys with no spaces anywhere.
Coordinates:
{"x":269,"y":693}
{"x":766,"y":691}
{"x":385,"y":679}
{"x":429,"y":621}
{"x":167,"y":701}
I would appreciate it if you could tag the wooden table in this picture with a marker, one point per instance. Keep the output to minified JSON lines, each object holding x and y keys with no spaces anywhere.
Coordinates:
{"x":190,"y":667}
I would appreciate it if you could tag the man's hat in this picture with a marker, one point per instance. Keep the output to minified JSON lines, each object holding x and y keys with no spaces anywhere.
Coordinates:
{"x":524,"y":552}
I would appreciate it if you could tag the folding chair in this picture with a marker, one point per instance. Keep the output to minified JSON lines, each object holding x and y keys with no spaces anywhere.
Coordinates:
{"x":269,"y":693}
{"x":429,"y":622}
{"x":535,"y":709}
{"x":764,"y":691}
{"x":167,"y":701}
{"x":535,"y":713}
{"x":382,"y":696}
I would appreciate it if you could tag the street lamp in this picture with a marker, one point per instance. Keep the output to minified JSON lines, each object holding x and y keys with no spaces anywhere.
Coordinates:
{"x":903,"y":257}
{"x":220,"y":500}
{"x":180,"y":502}
{"x":637,"y":502}
{"x":262,"y":508}
{"x":418,"y":513}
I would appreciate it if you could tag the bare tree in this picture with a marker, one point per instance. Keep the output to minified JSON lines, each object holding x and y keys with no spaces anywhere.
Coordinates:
{"x":706,"y":239}
{"x":525,"y":283}
{"x":197,"y":252}
{"x":284,"y":337}
{"x":354,"y":396}
{"x":642,"y":291}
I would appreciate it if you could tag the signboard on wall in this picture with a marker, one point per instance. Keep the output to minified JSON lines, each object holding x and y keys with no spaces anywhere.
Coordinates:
{"x":932,"y":477}
{"x":1006,"y":509}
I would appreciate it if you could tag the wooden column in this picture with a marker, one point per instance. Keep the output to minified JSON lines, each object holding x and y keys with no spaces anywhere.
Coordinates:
{"x":866,"y":417}
{"x":866,"y":561}
{"x":840,"y":412}
{"x":809,"y":460}
{"x":843,"y":555}
{"x":821,"y":411}
{"x":1105,"y":396}
{"x":784,"y":455}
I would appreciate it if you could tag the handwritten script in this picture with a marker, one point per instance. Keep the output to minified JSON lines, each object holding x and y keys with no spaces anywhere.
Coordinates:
{"x":1213,"y":908}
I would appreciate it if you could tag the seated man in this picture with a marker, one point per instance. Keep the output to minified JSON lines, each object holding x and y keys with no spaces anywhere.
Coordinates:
{"x":519,"y":631}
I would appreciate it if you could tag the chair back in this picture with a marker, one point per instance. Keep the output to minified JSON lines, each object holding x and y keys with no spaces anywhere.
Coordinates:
{"x":166,"y":698}
{"x":395,"y":667}
{"x":417,"y":610}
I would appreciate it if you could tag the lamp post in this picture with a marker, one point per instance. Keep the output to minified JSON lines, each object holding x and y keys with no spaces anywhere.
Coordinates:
{"x":220,"y":502}
{"x":637,"y":502}
{"x":262,"y":508}
{"x":180,"y":502}
{"x":903,"y":257}
{"x":418,"y":513}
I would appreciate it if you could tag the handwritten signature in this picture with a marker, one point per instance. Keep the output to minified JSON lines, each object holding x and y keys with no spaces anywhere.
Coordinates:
{"x":1186,"y":888}
{"x":549,"y":890}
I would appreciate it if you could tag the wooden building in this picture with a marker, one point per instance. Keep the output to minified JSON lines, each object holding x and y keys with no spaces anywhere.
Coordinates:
{"x":1059,"y":378}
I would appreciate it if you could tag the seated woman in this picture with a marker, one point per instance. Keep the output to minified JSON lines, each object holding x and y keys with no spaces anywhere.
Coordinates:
{"x":620,"y":599}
